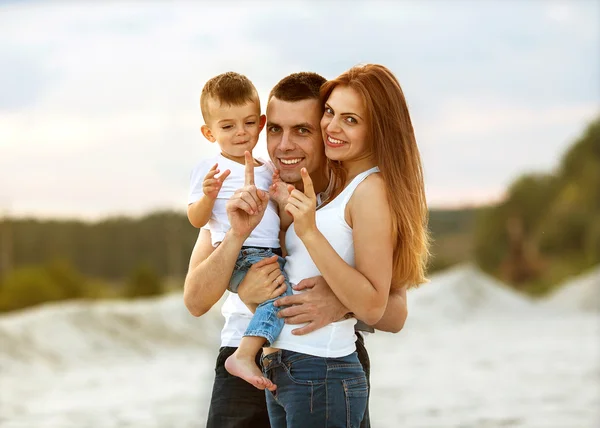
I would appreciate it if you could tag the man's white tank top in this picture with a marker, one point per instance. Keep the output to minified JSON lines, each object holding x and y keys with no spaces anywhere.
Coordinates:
{"x":336,"y":339}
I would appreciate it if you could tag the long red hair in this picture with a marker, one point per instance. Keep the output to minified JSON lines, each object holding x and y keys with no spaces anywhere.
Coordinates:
{"x":395,"y":149}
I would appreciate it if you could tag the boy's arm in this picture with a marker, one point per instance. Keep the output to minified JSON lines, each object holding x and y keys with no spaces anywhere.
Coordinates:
{"x":285,"y":219}
{"x":200,"y":211}
{"x":204,"y":193}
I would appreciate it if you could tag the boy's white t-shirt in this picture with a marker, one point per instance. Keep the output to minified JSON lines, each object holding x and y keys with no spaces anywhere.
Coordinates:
{"x":266,"y":234}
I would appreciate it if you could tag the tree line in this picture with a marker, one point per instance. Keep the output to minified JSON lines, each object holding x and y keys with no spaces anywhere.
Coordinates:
{"x":548,"y":226}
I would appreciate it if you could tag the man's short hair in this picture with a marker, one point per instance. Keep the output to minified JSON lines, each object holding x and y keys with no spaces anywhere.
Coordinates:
{"x":298,"y":86}
{"x":229,"y":88}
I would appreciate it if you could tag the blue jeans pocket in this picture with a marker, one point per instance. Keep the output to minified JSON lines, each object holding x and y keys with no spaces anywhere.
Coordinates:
{"x":356,"y":392}
{"x":306,"y":370}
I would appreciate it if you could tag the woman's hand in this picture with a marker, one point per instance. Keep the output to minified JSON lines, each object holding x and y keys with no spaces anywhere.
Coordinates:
{"x":263,"y":281}
{"x":303,"y":207}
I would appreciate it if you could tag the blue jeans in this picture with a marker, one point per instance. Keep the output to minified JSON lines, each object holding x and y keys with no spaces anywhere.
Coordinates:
{"x":265,"y":322}
{"x":315,"y":391}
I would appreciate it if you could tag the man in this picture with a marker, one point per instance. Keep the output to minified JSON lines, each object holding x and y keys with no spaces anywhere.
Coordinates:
{"x":294,"y":141}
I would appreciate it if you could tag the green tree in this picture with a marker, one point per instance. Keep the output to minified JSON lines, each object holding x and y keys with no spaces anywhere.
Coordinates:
{"x":143,"y":281}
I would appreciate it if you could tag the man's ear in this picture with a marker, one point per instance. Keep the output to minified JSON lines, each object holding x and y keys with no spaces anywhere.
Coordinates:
{"x":262,"y":120}
{"x":207,"y":133}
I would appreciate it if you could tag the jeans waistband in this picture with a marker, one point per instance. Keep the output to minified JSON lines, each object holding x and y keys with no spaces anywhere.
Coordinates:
{"x":276,"y":251}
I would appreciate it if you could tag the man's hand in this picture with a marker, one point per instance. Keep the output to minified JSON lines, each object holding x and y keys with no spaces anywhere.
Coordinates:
{"x":317,"y":306}
{"x":245,"y":209}
{"x":263,"y":281}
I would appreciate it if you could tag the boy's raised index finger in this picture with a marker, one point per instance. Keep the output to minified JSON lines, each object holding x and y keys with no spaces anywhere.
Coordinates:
{"x":249,"y":170}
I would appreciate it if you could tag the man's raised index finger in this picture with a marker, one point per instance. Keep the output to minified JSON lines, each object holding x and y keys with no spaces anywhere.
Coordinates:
{"x":249,"y":170}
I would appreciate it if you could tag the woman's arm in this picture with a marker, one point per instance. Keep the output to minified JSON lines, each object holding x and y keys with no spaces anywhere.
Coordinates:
{"x":363,"y":290}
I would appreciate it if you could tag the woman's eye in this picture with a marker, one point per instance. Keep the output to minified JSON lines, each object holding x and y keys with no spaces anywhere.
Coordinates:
{"x":328,"y":110}
{"x":351,"y":120}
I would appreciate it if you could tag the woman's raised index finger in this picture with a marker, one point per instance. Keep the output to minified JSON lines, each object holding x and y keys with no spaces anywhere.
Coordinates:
{"x":309,"y":190}
{"x":249,"y":171}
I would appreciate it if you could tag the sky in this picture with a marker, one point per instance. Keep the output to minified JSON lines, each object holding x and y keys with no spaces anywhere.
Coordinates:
{"x":99,"y":101}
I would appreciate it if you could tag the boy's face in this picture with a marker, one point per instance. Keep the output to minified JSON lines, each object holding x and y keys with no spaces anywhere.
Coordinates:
{"x":234,"y":127}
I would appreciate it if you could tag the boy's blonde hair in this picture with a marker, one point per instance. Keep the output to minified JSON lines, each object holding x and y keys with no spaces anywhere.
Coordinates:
{"x":229,"y":88}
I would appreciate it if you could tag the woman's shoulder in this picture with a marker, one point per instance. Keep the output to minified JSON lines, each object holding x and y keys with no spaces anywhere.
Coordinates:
{"x":371,"y":183}
{"x":370,"y":190}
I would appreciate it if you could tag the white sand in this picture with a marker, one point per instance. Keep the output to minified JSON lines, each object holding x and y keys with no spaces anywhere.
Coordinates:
{"x":473,"y":354}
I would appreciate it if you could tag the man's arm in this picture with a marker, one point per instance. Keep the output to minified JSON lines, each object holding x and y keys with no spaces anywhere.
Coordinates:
{"x":319,"y":306}
{"x":209,"y":271}
{"x":395,"y":314}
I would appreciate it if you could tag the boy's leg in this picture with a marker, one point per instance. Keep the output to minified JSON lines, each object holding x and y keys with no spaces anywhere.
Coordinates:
{"x":234,"y":402}
{"x":265,"y":322}
{"x":264,"y":327}
{"x":243,"y":363}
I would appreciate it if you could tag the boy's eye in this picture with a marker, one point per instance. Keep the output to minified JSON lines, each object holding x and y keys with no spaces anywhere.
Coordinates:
{"x":227,"y":127}
{"x":250,"y":123}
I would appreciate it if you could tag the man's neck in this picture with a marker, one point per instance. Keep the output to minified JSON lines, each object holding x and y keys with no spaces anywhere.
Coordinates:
{"x":320,"y":183}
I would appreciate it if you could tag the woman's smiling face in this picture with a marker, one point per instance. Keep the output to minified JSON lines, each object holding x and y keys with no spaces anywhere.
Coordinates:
{"x":344,"y":125}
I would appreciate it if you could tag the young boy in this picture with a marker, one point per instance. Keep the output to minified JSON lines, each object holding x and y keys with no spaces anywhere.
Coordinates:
{"x":231,"y":111}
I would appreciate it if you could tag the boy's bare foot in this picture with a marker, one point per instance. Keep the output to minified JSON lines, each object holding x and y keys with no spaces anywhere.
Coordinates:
{"x":247,"y":369}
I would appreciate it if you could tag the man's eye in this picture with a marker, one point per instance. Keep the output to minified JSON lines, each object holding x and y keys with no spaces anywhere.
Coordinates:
{"x":303,"y":131}
{"x":274,"y":129}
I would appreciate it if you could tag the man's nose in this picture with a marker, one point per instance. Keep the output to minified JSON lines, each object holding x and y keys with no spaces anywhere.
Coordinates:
{"x":286,"y":143}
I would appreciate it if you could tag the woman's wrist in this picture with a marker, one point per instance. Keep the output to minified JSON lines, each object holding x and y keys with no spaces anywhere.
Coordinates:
{"x":311,"y":237}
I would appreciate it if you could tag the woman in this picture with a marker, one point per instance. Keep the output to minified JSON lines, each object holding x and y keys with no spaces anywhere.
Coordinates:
{"x":370,"y":233}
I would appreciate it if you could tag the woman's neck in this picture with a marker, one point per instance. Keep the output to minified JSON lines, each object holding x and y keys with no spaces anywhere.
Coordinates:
{"x":355,"y":167}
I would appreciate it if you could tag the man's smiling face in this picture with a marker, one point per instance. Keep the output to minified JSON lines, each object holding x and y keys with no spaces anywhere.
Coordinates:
{"x":294,"y":138}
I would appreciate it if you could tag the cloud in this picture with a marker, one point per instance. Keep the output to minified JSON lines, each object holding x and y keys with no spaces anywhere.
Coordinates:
{"x":100,"y":101}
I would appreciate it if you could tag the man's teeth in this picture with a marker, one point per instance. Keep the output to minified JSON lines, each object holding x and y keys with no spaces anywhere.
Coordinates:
{"x":290,"y":161}
{"x":334,"y":141}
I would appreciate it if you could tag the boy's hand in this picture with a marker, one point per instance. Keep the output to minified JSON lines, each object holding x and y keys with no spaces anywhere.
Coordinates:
{"x":211,"y":184}
{"x":279,"y":191}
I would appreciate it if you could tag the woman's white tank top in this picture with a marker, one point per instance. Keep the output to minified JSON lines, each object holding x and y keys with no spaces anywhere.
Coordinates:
{"x":336,"y":339}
